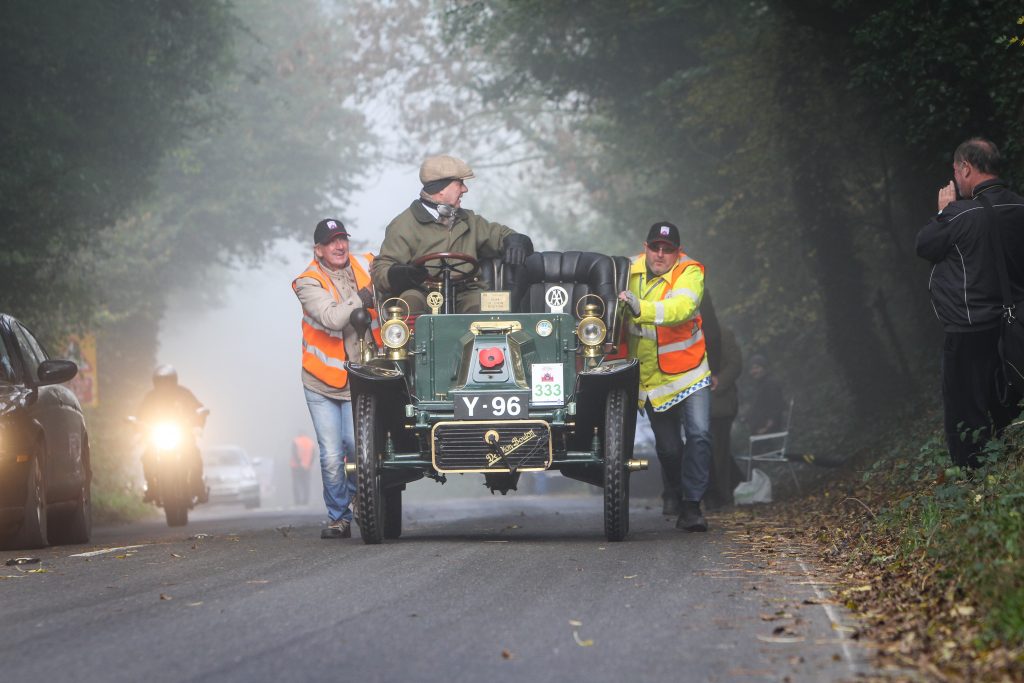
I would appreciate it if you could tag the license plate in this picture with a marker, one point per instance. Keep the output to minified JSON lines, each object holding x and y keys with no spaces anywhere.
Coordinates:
{"x":487,"y":405}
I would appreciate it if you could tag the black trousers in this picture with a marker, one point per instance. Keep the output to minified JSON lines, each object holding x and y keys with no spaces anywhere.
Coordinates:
{"x":972,"y":412}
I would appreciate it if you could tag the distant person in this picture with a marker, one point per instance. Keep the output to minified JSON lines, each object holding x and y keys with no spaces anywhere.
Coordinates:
{"x":436,"y":222}
{"x":767,"y":407}
{"x":725,"y":473}
{"x":666,"y":336}
{"x":330,"y":289}
{"x":300,"y":462}
{"x":967,"y":296}
{"x":168,"y":400}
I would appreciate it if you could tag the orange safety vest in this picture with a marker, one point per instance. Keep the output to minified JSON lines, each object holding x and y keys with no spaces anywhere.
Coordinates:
{"x":323,"y":350}
{"x":302,"y":452}
{"x":681,"y":346}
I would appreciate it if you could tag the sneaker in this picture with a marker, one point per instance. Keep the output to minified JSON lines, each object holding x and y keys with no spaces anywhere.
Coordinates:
{"x":691,"y":518}
{"x":338,"y":529}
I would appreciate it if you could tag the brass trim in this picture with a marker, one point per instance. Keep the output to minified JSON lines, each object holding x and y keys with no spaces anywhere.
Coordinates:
{"x":636,"y":464}
{"x":505,"y":326}
{"x":497,"y":470}
{"x":351,"y":467}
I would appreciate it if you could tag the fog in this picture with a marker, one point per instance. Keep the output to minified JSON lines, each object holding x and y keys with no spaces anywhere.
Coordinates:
{"x":242,"y":359}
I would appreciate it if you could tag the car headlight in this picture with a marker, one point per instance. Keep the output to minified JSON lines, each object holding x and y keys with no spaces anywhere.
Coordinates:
{"x":394,"y":333}
{"x":165,"y":436}
{"x":591,"y":331}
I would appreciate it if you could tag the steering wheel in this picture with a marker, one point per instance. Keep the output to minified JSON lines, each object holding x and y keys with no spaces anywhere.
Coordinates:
{"x":459,"y":266}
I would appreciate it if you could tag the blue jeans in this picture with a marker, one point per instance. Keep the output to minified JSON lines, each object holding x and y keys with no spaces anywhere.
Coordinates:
{"x":332,"y":420}
{"x":684,"y":469}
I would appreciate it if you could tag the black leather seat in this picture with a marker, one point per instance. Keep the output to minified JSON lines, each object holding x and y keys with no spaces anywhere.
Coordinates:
{"x":578,"y":272}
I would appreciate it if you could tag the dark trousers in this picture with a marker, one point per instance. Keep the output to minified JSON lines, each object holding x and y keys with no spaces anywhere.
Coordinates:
{"x":300,"y":485}
{"x":725,"y":473}
{"x":972,"y":412}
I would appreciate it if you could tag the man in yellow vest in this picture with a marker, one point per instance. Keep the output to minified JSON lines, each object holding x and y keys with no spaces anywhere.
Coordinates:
{"x":665,"y":290}
{"x":330,"y":289}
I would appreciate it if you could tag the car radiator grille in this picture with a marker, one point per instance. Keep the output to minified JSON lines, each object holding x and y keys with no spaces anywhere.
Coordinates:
{"x":461,"y":446}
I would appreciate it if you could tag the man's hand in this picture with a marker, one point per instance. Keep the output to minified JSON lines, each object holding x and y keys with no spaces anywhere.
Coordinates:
{"x":366,"y":296}
{"x":403,"y":276}
{"x":630,"y":299}
{"x":714,"y":382}
{"x":515,"y":249}
{"x":947,"y":195}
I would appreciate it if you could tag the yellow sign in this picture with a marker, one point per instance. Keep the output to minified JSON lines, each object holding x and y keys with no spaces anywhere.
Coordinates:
{"x":82,"y":350}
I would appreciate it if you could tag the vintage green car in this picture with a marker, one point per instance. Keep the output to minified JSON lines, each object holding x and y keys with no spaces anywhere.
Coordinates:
{"x":530,"y":384}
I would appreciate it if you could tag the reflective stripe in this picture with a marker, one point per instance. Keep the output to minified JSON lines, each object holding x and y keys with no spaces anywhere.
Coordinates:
{"x":683,"y":381}
{"x":643,"y":331}
{"x":307,"y":347}
{"x":688,"y":293}
{"x":659,"y":312}
{"x":317,"y":326}
{"x":683,"y":345}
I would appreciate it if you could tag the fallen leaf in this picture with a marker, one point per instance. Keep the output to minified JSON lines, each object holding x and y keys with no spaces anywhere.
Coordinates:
{"x":505,"y":654}
{"x":582,"y":643}
{"x":574,"y":622}
{"x":165,"y":596}
{"x":631,"y":576}
{"x":176,"y":555}
{"x":195,"y":604}
{"x":258,"y":581}
{"x":13,"y":562}
{"x":781,"y":639}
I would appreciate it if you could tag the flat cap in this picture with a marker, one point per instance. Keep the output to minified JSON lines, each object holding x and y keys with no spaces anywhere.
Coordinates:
{"x":444,"y":167}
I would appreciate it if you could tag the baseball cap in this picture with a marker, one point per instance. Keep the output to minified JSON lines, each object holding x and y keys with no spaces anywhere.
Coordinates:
{"x":327,"y":230}
{"x":663,"y":232}
{"x":444,"y":167}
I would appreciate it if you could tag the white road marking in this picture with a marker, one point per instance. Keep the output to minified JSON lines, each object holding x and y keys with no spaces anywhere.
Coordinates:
{"x":104,"y":551}
{"x":834,"y":617}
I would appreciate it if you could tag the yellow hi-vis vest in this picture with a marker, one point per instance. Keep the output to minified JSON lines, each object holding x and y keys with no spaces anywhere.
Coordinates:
{"x":323,"y":350}
{"x":672,"y":355}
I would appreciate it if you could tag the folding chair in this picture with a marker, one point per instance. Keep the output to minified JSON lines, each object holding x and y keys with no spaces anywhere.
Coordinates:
{"x":771,"y":448}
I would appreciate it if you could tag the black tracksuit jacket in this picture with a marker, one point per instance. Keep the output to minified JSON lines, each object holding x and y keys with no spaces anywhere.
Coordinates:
{"x":964,"y":284}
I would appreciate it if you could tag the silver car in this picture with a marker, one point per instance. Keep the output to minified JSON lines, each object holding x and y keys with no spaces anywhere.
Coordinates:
{"x":231,"y":476}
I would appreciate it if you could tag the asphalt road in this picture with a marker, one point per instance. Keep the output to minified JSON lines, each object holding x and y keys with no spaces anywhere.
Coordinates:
{"x":494,"y":589}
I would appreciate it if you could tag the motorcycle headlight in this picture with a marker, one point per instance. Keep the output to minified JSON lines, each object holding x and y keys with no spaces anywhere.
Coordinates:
{"x":394,"y":333}
{"x":165,"y":436}
{"x":591,"y":331}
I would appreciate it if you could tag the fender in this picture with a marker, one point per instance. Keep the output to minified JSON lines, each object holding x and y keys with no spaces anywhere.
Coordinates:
{"x":592,"y":386}
{"x":391,"y":388}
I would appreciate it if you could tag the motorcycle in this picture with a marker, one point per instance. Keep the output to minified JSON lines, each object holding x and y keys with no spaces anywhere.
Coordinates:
{"x":169,"y":444}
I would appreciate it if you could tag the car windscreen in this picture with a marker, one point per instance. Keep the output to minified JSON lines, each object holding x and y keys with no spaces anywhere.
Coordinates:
{"x":226,"y":458}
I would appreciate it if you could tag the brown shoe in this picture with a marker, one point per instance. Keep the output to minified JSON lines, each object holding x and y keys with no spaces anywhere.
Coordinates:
{"x":338,"y":529}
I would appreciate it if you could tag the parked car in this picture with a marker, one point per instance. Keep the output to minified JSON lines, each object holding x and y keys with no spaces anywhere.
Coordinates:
{"x":44,"y":446}
{"x":231,"y":476}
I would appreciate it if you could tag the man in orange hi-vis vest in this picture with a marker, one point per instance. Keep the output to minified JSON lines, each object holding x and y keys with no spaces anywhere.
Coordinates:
{"x":666,"y":335}
{"x":299,"y":463}
{"x":330,"y":289}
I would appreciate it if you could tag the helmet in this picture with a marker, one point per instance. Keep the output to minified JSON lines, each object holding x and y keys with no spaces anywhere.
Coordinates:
{"x":165,"y":376}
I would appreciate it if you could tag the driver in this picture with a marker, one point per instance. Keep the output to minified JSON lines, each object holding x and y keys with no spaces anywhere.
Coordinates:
{"x":170,"y":400}
{"x":436,"y":222}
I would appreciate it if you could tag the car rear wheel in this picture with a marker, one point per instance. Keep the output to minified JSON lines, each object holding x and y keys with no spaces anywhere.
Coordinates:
{"x":393,"y":512}
{"x":33,"y":527}
{"x":368,"y":478}
{"x":616,"y":473}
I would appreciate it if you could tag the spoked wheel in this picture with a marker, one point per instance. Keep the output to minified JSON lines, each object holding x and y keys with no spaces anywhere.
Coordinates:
{"x":393,"y":512}
{"x":372,"y":520}
{"x":33,"y":527}
{"x":616,"y":473}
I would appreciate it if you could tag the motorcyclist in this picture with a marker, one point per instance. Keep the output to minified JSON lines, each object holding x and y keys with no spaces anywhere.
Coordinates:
{"x":169,"y":400}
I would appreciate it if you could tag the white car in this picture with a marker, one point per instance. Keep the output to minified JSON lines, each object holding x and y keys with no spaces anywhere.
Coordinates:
{"x":231,"y":476}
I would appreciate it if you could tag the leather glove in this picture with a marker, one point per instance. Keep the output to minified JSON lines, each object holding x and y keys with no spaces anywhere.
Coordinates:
{"x":366,"y":296}
{"x":629,"y":298}
{"x":403,"y":276}
{"x":515,"y":248}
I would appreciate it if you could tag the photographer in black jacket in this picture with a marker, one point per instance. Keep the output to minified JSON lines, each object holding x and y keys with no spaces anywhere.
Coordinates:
{"x":965,"y":293}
